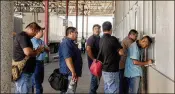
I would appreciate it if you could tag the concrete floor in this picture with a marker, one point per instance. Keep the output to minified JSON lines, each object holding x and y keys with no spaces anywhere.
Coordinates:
{"x":83,"y":84}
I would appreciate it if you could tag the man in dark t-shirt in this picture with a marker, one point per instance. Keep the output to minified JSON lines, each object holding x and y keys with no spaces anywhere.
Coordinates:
{"x":110,"y":57}
{"x":92,"y":51}
{"x":22,"y":47}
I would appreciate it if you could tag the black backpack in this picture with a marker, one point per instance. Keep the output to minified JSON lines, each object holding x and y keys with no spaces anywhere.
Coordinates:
{"x":58,"y":81}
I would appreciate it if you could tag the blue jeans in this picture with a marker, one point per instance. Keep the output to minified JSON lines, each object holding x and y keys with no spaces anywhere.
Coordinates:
{"x":38,"y":77}
{"x":123,"y":82}
{"x":95,"y":81}
{"x":111,"y":82}
{"x":24,"y":84}
{"x":133,"y":84}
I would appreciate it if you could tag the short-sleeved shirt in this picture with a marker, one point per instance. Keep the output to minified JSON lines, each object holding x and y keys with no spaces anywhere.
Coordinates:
{"x":21,"y":41}
{"x":93,"y":42}
{"x":68,"y":49}
{"x":37,"y":43}
{"x":109,"y":55}
{"x":134,"y":53}
{"x":126,"y":42}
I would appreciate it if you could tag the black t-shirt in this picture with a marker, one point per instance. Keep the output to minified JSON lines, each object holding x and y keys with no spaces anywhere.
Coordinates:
{"x":93,"y":42}
{"x":22,"y":40}
{"x":109,"y":55}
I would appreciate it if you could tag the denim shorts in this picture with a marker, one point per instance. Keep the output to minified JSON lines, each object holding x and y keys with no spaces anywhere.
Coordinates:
{"x":24,"y":84}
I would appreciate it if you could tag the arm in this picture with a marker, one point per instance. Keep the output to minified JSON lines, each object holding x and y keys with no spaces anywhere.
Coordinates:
{"x":70,"y":65}
{"x":134,"y":55}
{"x":89,"y":52}
{"x":121,"y":52}
{"x":120,"y":49}
{"x":136,"y":62}
{"x":46,"y":49}
{"x":25,"y":45}
{"x":29,"y":52}
{"x":67,"y":55}
{"x":90,"y":43}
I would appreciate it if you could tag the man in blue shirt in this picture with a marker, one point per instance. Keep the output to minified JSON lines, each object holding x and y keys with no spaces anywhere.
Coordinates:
{"x":38,"y":75}
{"x":70,"y":57}
{"x":133,"y":70}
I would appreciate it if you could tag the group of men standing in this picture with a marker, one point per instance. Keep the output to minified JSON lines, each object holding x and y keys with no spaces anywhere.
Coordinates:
{"x":121,"y":62}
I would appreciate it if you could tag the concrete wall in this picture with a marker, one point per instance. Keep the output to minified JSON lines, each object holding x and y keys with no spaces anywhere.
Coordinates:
{"x":155,"y":19}
{"x":6,"y":27}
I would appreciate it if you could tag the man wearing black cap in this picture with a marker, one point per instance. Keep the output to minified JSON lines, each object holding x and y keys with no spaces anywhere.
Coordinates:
{"x":23,"y":47}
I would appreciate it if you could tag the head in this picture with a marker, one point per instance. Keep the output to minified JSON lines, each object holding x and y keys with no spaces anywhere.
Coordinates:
{"x":71,"y":32}
{"x":96,"y":29}
{"x":39,"y":34}
{"x":133,"y":34}
{"x":32,"y":29}
{"x":107,"y":27}
{"x":145,"y":42}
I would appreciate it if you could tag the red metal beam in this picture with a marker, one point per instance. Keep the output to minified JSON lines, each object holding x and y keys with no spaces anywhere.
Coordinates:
{"x":83,"y":22}
{"x":67,"y":7}
{"x":46,"y":22}
{"x":77,"y":14}
{"x":67,"y":13}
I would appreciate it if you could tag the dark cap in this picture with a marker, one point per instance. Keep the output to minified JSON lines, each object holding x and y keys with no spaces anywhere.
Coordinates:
{"x":34,"y":25}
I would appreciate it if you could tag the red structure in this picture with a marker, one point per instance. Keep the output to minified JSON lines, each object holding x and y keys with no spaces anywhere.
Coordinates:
{"x":46,"y":22}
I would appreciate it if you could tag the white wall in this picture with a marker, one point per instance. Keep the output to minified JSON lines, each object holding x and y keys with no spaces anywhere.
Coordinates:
{"x":138,"y":15}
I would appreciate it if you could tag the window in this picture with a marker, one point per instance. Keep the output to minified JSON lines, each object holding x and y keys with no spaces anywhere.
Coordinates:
{"x":136,"y":18}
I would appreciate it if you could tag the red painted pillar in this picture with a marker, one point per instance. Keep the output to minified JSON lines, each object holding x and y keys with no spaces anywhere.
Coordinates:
{"x":83,"y":21}
{"x":46,"y":22}
{"x":77,"y":14}
{"x":46,"y":27}
{"x":67,"y":12}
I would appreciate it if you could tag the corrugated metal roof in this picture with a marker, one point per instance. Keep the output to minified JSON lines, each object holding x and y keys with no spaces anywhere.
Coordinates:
{"x":91,"y":7}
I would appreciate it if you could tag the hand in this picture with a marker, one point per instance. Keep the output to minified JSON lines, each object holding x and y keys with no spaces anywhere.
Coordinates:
{"x":46,"y":49}
{"x":74,"y":77}
{"x":150,"y":61}
{"x":40,"y":49}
